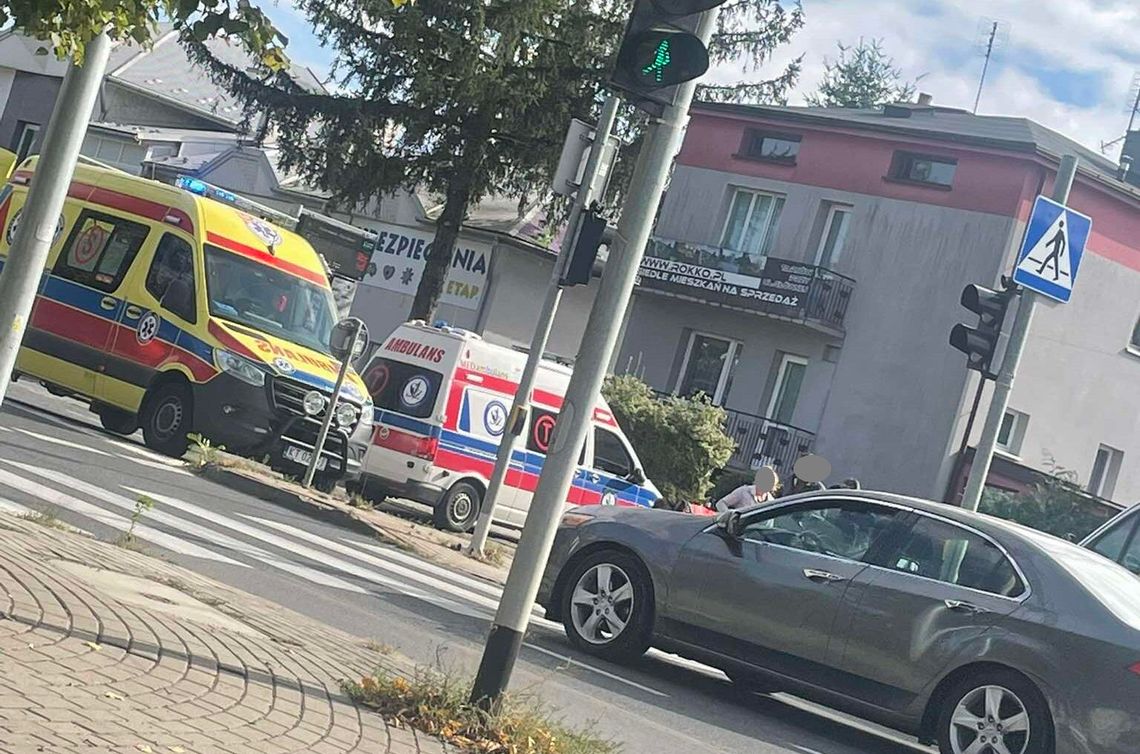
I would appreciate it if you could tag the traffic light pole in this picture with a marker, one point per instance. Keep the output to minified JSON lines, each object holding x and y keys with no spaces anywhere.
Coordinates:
{"x":516,"y":421}
{"x":1003,"y":385}
{"x":645,"y":190}
{"x":41,"y":212}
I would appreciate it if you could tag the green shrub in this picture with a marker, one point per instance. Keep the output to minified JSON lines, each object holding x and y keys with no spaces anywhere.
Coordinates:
{"x":1056,"y":505}
{"x":681,"y":441}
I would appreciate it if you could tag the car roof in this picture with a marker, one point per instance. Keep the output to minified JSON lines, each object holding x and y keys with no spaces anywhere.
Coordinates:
{"x":987,"y":524}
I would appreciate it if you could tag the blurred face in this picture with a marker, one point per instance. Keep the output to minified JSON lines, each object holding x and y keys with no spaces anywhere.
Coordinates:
{"x":766,"y":480}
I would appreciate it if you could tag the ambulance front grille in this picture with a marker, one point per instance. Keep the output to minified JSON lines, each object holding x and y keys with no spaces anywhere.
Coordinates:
{"x":289,"y":396}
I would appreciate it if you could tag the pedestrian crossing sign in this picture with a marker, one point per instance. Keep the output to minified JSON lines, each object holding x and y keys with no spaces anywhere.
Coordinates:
{"x":1051,"y":253}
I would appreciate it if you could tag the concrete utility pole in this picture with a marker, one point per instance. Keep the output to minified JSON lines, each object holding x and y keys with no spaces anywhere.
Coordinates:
{"x":1003,"y":385}
{"x":58,"y":155}
{"x":516,"y":421}
{"x":646,"y":187}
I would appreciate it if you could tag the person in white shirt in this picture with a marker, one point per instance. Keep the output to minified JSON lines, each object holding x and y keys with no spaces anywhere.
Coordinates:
{"x":760,"y":491}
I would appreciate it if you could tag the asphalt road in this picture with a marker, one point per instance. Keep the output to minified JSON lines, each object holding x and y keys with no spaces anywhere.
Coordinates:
{"x":54,"y":457}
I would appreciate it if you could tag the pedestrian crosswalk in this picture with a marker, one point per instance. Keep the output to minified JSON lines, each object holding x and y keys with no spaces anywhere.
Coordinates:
{"x":248,"y":539}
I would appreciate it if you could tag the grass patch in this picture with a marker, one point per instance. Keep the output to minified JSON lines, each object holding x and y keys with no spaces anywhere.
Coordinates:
{"x":356,"y":500}
{"x":378,"y":646}
{"x":46,"y":518}
{"x":436,"y":703}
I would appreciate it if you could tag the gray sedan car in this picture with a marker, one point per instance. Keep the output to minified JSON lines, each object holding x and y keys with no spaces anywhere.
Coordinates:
{"x":968,"y":631}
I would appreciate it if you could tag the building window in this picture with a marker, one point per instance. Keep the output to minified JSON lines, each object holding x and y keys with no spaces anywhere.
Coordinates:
{"x":921,"y":168}
{"x":834,"y":234}
{"x":1012,"y":431}
{"x":1105,"y":470}
{"x":708,"y":366}
{"x":786,"y":391}
{"x":752,"y":223}
{"x":773,"y":147}
{"x":25,"y":139}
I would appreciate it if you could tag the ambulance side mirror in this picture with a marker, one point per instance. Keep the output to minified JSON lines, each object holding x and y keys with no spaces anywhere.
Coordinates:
{"x":348,"y":337}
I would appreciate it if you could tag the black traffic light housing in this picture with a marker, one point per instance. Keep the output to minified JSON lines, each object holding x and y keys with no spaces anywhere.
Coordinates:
{"x":580,"y":266}
{"x":660,"y":51}
{"x":980,"y":343}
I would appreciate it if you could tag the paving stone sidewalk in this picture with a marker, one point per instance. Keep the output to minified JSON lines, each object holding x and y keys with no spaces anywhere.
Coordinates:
{"x":105,"y":649}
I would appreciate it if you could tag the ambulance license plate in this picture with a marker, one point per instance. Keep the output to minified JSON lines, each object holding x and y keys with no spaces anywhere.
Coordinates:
{"x":304,"y":457}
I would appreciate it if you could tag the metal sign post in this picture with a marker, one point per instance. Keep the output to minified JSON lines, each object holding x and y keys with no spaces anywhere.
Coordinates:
{"x":596,"y":167}
{"x":346,"y":345}
{"x":1003,"y":385}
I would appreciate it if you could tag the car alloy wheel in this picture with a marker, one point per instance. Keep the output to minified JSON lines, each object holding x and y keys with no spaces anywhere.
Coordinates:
{"x":990,"y":720}
{"x":602,"y":604}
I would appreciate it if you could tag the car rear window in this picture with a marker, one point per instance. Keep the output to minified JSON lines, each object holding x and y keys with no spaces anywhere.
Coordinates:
{"x":1112,"y":585}
{"x":404,"y":388}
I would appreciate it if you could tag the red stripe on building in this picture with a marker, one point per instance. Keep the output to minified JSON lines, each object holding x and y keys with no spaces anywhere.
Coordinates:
{"x":266,"y":258}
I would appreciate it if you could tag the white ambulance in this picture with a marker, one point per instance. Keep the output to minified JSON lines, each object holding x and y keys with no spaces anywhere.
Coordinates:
{"x":442,"y":398}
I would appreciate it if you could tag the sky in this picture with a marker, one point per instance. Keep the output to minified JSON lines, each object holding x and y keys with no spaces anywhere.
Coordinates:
{"x":1067,"y":64}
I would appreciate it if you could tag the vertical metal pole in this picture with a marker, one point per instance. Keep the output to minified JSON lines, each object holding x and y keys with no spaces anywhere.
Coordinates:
{"x":645,"y":190}
{"x":1003,"y":386}
{"x":516,"y":421}
{"x":58,"y":155}
{"x":324,"y":433}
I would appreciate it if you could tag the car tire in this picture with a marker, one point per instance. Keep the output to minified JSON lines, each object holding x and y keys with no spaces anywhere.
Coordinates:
{"x":325,"y":484}
{"x":611,"y":620}
{"x":1005,"y":704}
{"x":118,"y":421}
{"x":458,"y":509}
{"x":166,"y":419}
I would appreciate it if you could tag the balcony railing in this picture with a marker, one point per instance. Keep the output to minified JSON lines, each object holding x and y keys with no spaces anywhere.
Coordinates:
{"x":776,"y":287}
{"x":763,"y":442}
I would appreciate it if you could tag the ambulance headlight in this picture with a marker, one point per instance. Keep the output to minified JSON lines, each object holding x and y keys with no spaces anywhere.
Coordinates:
{"x":243,"y":369}
{"x":314,"y":402}
{"x":366,"y":412}
{"x":345,"y":414}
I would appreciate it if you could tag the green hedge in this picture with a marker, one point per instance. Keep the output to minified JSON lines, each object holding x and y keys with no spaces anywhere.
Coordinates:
{"x":681,"y":441}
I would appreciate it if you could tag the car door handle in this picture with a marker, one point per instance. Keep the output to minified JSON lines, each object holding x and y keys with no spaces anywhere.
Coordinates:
{"x":964,"y":607}
{"x":827,"y":577}
{"x":133,"y":312}
{"x":108,"y":303}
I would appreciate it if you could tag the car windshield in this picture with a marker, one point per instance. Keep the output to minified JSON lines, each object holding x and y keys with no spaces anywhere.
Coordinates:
{"x":269,"y":300}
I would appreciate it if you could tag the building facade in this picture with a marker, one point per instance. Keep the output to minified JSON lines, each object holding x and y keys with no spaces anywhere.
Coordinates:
{"x":806,"y":271}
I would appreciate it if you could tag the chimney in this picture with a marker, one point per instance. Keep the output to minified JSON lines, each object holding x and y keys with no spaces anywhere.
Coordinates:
{"x":925,"y":99}
{"x":1129,"y":154}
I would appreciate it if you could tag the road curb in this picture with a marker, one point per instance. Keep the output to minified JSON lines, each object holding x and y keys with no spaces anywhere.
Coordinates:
{"x":320,"y":506}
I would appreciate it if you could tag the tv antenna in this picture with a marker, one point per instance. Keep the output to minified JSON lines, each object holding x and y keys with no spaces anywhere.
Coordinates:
{"x":993,"y":35}
{"x":1131,"y":108}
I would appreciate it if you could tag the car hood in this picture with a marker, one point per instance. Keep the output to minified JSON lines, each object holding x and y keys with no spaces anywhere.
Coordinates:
{"x":661,"y":524}
{"x":288,"y":359}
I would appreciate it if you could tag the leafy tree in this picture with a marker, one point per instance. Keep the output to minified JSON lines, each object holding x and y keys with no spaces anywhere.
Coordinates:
{"x":69,"y":25}
{"x":465,"y":98}
{"x":681,"y":441}
{"x":862,"y":76}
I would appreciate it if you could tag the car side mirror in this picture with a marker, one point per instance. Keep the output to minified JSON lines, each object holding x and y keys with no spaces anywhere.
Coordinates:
{"x":637,"y":476}
{"x":729,"y":523}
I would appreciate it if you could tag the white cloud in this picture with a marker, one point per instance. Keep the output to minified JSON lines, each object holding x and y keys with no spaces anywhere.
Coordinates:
{"x":935,"y":39}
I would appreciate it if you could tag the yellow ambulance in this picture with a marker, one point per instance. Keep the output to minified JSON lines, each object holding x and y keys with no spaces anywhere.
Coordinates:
{"x":178,"y":314}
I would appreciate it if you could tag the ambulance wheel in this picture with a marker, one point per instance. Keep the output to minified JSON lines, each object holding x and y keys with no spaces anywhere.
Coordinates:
{"x":118,"y":421}
{"x":165,"y":419}
{"x":458,"y":508}
{"x":324,"y":484}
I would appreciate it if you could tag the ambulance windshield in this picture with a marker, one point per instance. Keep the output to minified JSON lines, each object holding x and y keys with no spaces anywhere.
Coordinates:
{"x":269,"y":300}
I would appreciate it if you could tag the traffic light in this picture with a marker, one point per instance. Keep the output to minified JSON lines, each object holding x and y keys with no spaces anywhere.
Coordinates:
{"x":660,"y":50}
{"x":580,"y":266}
{"x":980,"y":343}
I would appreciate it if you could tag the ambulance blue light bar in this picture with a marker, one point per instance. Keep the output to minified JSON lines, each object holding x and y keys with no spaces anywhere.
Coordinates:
{"x":201,"y":188}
